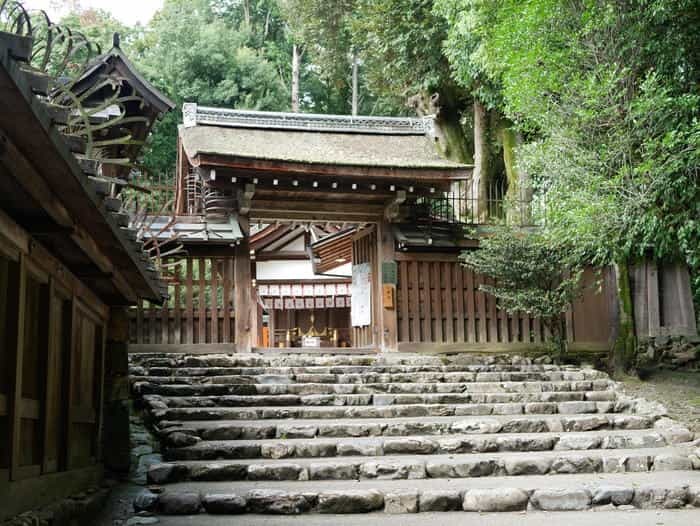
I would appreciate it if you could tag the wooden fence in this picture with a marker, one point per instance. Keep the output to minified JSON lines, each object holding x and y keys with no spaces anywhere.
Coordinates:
{"x":200,"y":308}
{"x":439,"y":301}
{"x":364,"y":250}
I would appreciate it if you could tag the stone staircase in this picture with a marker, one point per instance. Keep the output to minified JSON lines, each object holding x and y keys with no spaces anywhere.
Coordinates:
{"x":290,"y":434}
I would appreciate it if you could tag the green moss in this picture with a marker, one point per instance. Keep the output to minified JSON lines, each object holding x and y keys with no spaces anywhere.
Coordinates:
{"x":625,"y":347}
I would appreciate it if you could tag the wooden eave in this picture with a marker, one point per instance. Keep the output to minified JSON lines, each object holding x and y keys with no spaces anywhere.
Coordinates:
{"x":118,"y":61}
{"x":328,"y":250}
{"x":270,"y":169}
{"x":41,"y":165}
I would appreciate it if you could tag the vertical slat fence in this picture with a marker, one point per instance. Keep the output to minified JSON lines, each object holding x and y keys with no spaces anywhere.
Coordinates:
{"x":199,"y":309}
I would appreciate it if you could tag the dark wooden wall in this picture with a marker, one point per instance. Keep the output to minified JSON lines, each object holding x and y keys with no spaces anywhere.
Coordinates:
{"x":200,"y":308}
{"x":52,"y":339}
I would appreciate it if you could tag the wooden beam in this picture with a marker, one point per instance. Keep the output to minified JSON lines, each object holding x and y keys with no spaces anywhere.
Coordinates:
{"x":244,"y":302}
{"x":16,"y":413}
{"x":26,"y":175}
{"x":32,"y":183}
{"x":388,"y":323}
{"x":316,"y":209}
{"x":435,"y":176}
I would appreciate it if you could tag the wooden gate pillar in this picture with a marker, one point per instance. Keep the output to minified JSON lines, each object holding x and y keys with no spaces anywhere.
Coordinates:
{"x":245,"y":306}
{"x":386,"y":287}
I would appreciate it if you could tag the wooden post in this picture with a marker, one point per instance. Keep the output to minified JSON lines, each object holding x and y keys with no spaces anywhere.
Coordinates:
{"x":16,"y":395}
{"x":243,"y":298}
{"x":388,"y":323}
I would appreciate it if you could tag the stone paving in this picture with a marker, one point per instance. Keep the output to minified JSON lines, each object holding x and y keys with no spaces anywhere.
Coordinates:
{"x":399,"y":434}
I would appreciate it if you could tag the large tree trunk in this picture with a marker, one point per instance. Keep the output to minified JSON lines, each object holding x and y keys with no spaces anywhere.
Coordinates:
{"x":355,"y":95}
{"x":625,"y":344}
{"x":482,"y":164}
{"x":296,"y":59}
{"x":450,"y":138}
{"x":519,"y":193}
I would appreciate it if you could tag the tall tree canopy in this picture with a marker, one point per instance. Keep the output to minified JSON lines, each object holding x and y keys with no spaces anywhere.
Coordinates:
{"x":593,"y":102}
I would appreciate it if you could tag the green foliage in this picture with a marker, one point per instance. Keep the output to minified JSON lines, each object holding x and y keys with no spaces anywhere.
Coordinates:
{"x":531,"y":273}
{"x":211,"y":53}
{"x":606,"y":94}
{"x":401,"y":41}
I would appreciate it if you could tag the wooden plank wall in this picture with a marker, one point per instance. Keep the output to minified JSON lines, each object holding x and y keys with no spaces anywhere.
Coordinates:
{"x":52,"y":340}
{"x":200,"y":308}
{"x":364,"y":250}
{"x":439,"y":301}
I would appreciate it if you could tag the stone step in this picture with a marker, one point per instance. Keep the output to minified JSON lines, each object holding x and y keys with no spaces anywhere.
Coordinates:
{"x":144,"y":388}
{"x":301,"y":360}
{"x":169,"y":367}
{"x":281,"y":385}
{"x":376,"y":411}
{"x":531,"y":493}
{"x":267,"y":376}
{"x":401,"y":426}
{"x":432,"y":466}
{"x":575,"y":401}
{"x":611,"y":491}
{"x":414,"y":445}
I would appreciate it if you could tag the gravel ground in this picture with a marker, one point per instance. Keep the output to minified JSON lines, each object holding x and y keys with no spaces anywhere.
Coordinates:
{"x":585,"y":518}
{"x":118,"y":508}
{"x":679,"y":391}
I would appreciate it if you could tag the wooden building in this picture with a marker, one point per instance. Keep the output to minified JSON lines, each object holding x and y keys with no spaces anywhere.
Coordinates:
{"x":399,"y":211}
{"x":294,"y":299}
{"x":392,"y":211}
{"x":69,"y":263}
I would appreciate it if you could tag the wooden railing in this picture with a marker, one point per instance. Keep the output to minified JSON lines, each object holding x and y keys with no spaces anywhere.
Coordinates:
{"x":200,"y":308}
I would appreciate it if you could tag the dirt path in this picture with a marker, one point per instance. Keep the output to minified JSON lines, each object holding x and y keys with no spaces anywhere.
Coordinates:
{"x":678,"y":391}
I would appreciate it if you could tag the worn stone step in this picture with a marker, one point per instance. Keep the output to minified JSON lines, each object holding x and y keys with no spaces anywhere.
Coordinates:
{"x":265,"y":376}
{"x":415,"y":445}
{"x":274,"y":384}
{"x":432,"y":466}
{"x":144,"y":388}
{"x":375,"y":411}
{"x":572,"y":492}
{"x":302,"y":360}
{"x":545,"y":402}
{"x":401,"y":426}
{"x":169,"y":367}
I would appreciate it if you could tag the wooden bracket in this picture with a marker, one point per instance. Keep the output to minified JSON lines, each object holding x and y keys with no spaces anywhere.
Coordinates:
{"x":391,"y":211}
{"x":245,"y":199}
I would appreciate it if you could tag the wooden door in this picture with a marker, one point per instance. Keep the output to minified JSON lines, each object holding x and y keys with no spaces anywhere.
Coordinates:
{"x":86,"y":366}
{"x":30,"y":372}
{"x":9,"y":290}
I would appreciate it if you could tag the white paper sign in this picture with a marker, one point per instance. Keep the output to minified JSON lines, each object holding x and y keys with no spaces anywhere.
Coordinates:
{"x":310,"y":341}
{"x":361,"y":295}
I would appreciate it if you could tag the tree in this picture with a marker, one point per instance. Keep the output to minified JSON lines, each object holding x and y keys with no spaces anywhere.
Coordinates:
{"x":531,"y":273}
{"x":401,"y":45}
{"x":213,"y":53}
{"x":606,"y":95}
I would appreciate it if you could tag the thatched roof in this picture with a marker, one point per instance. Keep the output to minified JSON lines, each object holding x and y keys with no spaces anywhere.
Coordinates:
{"x":267,"y":140}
